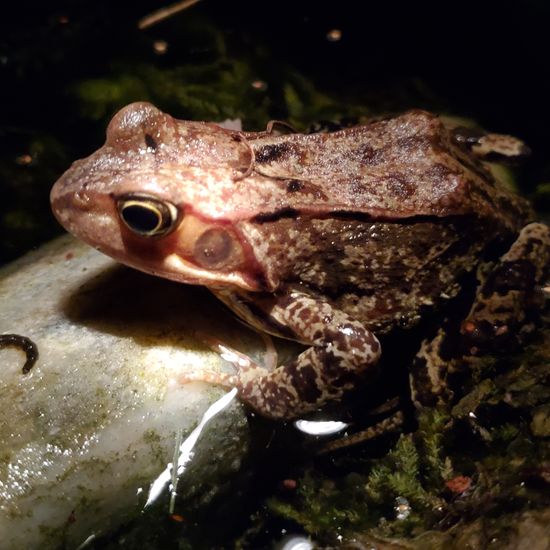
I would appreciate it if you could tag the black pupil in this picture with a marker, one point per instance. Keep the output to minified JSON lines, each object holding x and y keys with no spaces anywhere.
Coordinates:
{"x":141,"y":218}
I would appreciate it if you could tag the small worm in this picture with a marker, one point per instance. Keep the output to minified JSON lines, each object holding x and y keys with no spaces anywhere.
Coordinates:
{"x":23,"y":343}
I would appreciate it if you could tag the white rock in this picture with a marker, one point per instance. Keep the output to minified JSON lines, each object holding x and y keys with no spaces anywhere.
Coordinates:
{"x":87,"y":430}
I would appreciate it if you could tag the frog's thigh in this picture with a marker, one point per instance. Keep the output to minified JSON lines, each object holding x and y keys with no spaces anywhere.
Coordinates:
{"x":340,"y":349}
{"x":509,"y":298}
{"x":504,"y":310}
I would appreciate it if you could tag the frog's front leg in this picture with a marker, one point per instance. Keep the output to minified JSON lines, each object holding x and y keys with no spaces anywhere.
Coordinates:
{"x":505,"y":309}
{"x":339,"y":349}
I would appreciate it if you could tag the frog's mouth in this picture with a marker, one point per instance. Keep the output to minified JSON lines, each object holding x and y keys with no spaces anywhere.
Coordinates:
{"x":196,"y":251}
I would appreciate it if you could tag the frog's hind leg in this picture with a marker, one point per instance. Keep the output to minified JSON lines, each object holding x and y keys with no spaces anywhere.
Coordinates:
{"x":505,"y":310}
{"x":510,"y":297}
{"x":490,"y":146}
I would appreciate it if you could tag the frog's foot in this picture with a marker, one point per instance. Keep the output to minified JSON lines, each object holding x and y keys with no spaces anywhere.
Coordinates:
{"x":340,"y":349}
{"x":270,"y":357}
{"x":388,"y":425}
{"x":223,"y":379}
{"x":240,"y":360}
{"x":510,"y":297}
{"x":491,"y":147}
{"x":245,"y":366}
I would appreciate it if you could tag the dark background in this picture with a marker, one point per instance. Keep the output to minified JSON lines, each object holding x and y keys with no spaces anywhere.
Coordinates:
{"x":66,"y":67}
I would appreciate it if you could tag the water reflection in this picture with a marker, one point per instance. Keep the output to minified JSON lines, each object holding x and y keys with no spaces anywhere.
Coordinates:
{"x":320,"y":427}
{"x":185,"y":451}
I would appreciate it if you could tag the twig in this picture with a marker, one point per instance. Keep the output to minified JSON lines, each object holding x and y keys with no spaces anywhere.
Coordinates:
{"x":164,"y":13}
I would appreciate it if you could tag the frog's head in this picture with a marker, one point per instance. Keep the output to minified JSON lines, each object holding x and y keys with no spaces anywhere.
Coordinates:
{"x":153,"y":197}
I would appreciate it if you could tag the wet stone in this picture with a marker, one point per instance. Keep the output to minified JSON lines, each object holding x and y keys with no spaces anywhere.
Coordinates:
{"x":93,"y":423}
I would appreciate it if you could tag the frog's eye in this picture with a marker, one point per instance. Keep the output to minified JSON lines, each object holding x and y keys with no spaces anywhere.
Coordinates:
{"x":216,"y":249}
{"x":147,"y":216}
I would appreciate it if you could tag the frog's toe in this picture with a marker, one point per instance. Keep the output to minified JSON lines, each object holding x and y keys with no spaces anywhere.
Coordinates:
{"x":226,"y":380}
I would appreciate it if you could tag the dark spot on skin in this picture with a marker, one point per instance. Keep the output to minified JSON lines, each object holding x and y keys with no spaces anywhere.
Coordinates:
{"x":23,"y":343}
{"x":370,"y":156}
{"x":304,"y":314}
{"x":277,"y":215}
{"x":529,"y":247}
{"x":345,"y":379}
{"x":150,"y":142}
{"x":275,"y":398}
{"x":304,"y":381}
{"x":439,"y":172}
{"x":375,"y":345}
{"x":294,"y":185}
{"x":400,"y":187}
{"x":330,"y":365}
{"x":337,"y":338}
{"x":518,"y":275}
{"x":269,"y":153}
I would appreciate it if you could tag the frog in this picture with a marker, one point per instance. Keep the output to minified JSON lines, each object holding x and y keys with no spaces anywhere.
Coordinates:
{"x":329,"y":239}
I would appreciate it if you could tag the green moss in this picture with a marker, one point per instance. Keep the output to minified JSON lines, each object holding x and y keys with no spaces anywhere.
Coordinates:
{"x":368,"y":500}
{"x":493,"y":443}
{"x":398,"y":476}
{"x":101,"y":96}
{"x":214,"y":92}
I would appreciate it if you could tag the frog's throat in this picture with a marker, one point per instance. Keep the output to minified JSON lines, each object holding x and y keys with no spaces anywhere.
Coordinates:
{"x":181,"y":270}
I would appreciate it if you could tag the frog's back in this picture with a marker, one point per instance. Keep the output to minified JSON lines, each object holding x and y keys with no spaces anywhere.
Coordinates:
{"x":397,"y":168}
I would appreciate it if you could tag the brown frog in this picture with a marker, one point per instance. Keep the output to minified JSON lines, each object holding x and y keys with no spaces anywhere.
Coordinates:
{"x":327,"y":239}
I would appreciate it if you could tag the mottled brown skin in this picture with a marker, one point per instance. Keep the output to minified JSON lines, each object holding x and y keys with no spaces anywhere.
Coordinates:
{"x":326,"y":239}
{"x":505,"y":310}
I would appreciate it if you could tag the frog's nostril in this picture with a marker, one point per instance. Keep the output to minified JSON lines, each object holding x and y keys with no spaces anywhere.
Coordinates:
{"x":134,"y":120}
{"x":81,"y":199}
